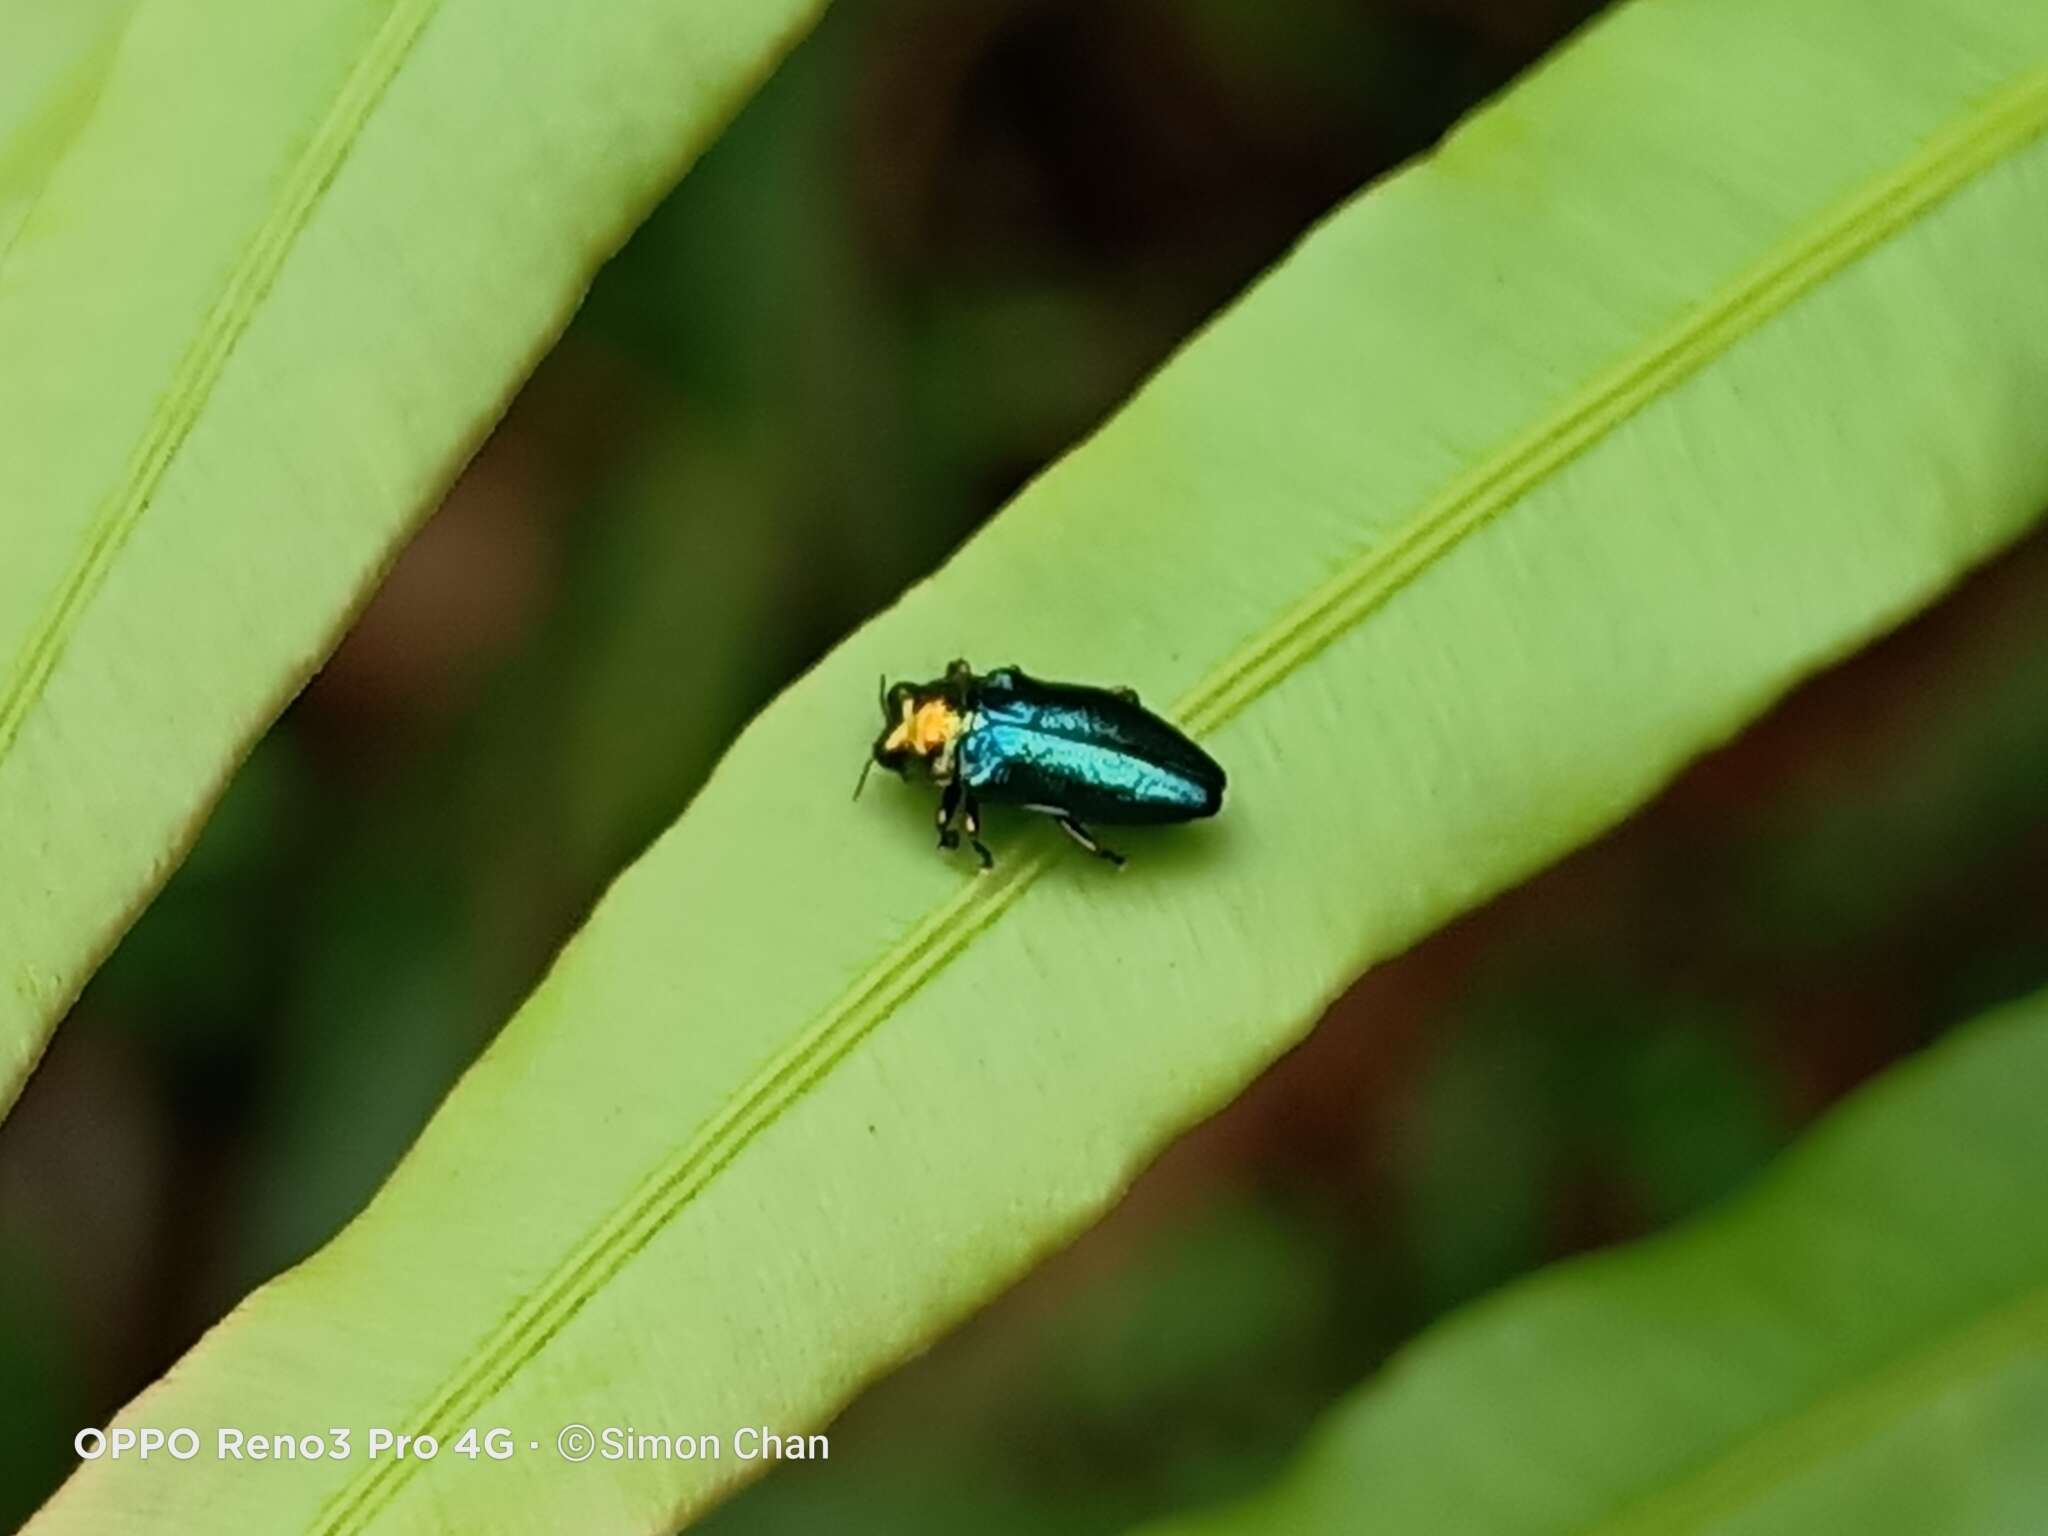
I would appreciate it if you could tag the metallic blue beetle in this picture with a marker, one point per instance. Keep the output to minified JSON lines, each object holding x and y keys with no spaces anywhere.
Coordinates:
{"x":1071,"y":752}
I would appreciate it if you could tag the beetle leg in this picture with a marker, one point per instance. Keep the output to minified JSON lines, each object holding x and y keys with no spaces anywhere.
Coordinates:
{"x":1127,"y":694}
{"x":949,"y":807}
{"x":972,"y":816}
{"x":1086,"y":839}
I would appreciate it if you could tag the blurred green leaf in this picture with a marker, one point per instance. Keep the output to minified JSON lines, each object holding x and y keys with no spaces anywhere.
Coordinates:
{"x":39,"y":1410}
{"x":1859,"y":1345}
{"x":267,"y":273}
{"x":1707,"y":353}
{"x":1475,"y":1157}
{"x":1575,"y":1097}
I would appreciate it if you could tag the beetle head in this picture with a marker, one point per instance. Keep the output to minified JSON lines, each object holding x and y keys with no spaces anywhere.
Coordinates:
{"x":892,"y":749}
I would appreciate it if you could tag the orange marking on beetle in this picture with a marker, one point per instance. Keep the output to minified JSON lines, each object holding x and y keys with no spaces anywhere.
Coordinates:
{"x":928,"y":728}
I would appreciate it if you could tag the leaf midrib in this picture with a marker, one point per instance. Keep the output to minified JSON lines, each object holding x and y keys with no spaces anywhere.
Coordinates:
{"x":200,"y":368}
{"x":2001,"y":126}
{"x":1849,"y":1415}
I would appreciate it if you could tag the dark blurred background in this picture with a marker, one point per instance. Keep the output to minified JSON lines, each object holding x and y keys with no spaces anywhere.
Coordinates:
{"x":941,"y":244}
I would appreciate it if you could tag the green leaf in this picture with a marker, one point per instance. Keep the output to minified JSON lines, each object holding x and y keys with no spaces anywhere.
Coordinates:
{"x":1860,"y":1344}
{"x":1713,"y":349}
{"x":267,"y":274}
{"x":56,"y":60}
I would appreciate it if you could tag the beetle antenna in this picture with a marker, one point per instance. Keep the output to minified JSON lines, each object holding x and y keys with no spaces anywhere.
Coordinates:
{"x":882,"y":697}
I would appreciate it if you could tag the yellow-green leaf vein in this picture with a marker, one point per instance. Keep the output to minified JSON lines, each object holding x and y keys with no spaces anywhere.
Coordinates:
{"x":200,"y":369}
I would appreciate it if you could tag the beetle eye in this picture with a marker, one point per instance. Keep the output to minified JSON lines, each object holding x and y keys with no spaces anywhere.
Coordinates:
{"x":893,"y":702}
